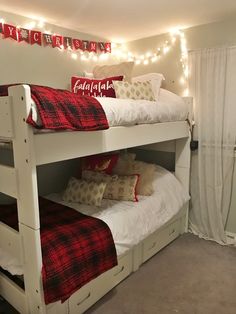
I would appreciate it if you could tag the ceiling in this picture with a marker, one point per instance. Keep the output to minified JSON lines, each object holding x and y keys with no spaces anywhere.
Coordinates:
{"x":123,"y":20}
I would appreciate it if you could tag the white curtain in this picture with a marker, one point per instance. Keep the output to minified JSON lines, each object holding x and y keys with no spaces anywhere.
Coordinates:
{"x":212,"y":83}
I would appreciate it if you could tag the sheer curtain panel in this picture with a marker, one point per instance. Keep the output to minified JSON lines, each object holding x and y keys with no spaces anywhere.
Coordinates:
{"x":212,"y":83}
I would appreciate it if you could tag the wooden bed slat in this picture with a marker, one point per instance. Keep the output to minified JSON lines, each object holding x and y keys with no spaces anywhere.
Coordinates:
{"x":8,"y":183}
{"x":13,"y":294}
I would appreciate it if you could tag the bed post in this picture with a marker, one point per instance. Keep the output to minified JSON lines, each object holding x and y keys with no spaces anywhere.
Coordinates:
{"x":182,"y":159}
{"x":27,"y":198}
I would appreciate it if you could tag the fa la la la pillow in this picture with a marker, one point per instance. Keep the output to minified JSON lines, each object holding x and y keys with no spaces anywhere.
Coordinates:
{"x":94,"y":87}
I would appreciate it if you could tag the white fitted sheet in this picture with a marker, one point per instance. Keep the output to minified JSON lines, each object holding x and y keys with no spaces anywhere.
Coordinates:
{"x":129,"y":222}
{"x":128,"y":112}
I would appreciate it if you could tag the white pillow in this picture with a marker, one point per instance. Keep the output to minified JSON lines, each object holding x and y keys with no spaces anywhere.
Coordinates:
{"x":155,"y":79}
{"x":165,"y":96}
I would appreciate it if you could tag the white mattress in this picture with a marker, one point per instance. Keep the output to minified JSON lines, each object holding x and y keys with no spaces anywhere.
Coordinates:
{"x":129,"y":222}
{"x":124,"y":112}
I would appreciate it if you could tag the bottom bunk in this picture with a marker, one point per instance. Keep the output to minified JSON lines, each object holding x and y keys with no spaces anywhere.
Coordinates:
{"x":139,"y":229}
{"x":11,"y":289}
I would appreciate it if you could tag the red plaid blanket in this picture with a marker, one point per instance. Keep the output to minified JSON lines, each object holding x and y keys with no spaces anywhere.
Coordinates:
{"x":76,"y":248}
{"x":60,"y":109}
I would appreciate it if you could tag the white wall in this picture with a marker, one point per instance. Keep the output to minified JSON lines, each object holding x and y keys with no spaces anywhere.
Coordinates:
{"x":22,"y":62}
{"x":204,"y":36}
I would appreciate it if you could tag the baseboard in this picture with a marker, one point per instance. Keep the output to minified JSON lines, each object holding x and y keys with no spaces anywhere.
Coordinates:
{"x":231,"y":238}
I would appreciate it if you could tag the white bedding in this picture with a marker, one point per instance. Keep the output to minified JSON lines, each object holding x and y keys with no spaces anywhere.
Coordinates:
{"x":129,"y":222}
{"x":123,"y":112}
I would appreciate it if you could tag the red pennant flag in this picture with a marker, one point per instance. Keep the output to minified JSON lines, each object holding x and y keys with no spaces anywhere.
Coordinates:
{"x":108,"y":47}
{"x":85,"y":45}
{"x":101,"y":46}
{"x":93,"y":46}
{"x":23,"y":35}
{"x":36,"y":38}
{"x":1,"y":28}
{"x":77,"y":44}
{"x":57,"y":41}
{"x":10,"y":31}
{"x":47,"y":39}
{"x":67,"y":42}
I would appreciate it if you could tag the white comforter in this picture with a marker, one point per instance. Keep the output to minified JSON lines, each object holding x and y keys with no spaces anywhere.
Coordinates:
{"x":129,"y":222}
{"x":130,"y":112}
{"x":123,"y":112}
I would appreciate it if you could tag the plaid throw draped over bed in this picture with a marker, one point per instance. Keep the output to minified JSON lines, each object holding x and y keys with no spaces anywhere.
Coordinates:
{"x":60,"y":109}
{"x":76,"y":248}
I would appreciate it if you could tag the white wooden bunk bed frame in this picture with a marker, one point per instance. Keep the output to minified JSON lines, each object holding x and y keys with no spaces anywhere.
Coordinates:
{"x":32,"y":149}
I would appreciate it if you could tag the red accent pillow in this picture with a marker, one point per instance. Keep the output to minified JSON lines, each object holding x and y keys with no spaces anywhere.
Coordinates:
{"x":104,"y":163}
{"x":94,"y":87}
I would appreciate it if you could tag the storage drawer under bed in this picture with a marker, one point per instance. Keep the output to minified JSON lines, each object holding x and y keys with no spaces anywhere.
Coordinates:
{"x":94,"y":290}
{"x":160,"y":238}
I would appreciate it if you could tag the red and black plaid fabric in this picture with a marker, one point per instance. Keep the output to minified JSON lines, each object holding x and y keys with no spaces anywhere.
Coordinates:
{"x":60,"y":109}
{"x":76,"y":248}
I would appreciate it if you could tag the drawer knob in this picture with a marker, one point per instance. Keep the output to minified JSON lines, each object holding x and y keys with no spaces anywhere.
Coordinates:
{"x":84,"y":299}
{"x":171,"y":232}
{"x":153,"y":245}
{"x":119,"y":271}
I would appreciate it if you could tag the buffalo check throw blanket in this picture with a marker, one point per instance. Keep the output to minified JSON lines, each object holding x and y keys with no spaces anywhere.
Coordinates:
{"x":76,"y":248}
{"x":60,"y":109}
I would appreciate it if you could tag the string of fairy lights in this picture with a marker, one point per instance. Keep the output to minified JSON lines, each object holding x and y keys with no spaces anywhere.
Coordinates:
{"x":120,"y":52}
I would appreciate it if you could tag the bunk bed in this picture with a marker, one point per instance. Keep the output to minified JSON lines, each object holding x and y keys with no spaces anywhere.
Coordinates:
{"x":31,"y":149}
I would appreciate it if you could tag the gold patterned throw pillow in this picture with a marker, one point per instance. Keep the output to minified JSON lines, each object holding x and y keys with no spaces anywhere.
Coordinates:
{"x":135,"y":90}
{"x":98,"y":176}
{"x":81,"y":191}
{"x":121,"y":188}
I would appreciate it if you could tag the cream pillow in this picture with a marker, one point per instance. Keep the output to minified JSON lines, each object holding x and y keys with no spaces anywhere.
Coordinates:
{"x":117,"y":187}
{"x":145,"y":170}
{"x":136,"y":90}
{"x":81,"y":191}
{"x":155,"y":79}
{"x":103,"y":71}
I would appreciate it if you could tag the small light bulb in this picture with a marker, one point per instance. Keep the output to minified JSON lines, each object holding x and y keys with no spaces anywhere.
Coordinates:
{"x":74,"y":56}
{"x":154,"y":59}
{"x":41,"y":23}
{"x":166,"y":49}
{"x":186,"y":92}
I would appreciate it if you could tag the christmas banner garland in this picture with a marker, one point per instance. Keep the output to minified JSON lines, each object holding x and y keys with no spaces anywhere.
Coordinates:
{"x":43,"y":39}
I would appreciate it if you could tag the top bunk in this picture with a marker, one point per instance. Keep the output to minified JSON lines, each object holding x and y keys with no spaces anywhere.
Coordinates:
{"x":52,"y":146}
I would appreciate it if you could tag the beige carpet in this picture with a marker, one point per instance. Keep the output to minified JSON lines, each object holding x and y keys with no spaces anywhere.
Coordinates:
{"x":190,"y":276}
